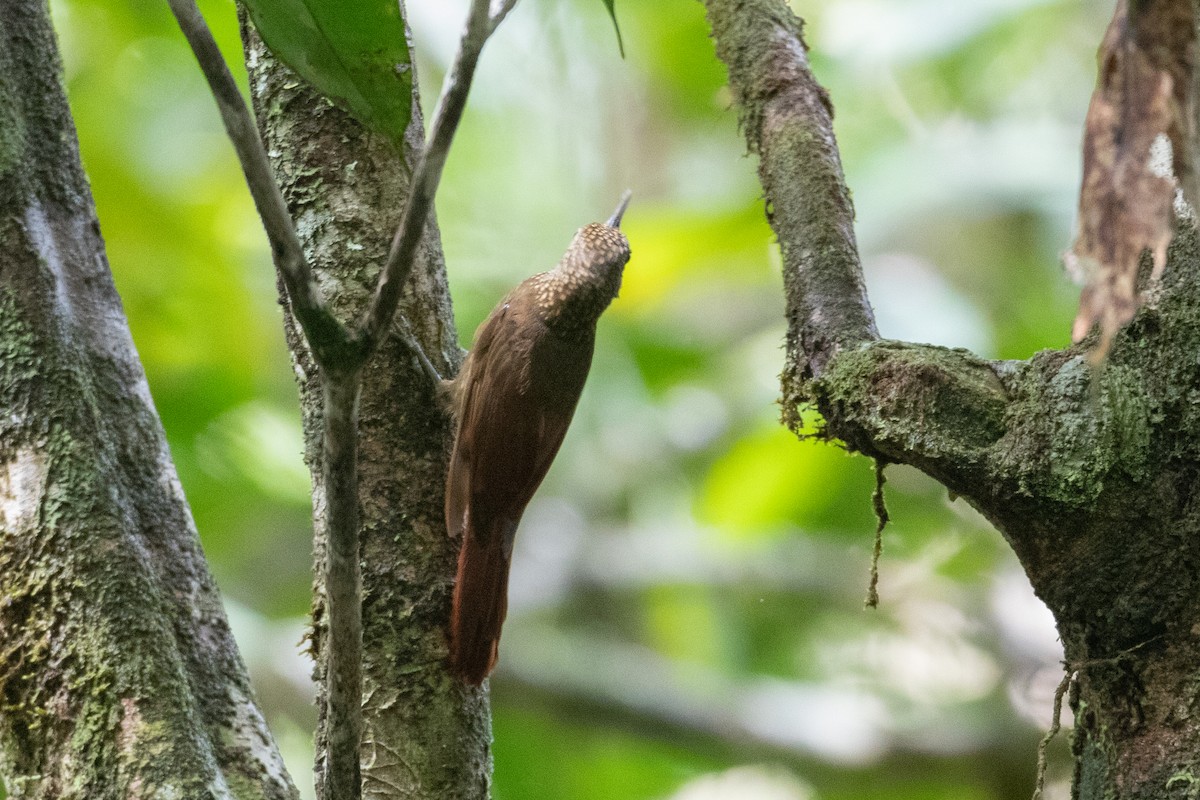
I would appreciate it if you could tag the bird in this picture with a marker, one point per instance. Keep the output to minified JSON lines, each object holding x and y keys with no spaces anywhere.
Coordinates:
{"x":512,"y":401}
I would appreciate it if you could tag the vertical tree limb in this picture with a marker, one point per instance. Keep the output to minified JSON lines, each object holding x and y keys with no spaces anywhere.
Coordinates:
{"x":424,"y":735}
{"x":343,"y":584}
{"x":118,"y":672}
{"x":788,"y":120}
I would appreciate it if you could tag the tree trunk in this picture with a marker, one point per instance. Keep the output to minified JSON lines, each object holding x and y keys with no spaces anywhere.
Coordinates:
{"x":118,"y":674}
{"x":1092,"y":476}
{"x":425,"y":734}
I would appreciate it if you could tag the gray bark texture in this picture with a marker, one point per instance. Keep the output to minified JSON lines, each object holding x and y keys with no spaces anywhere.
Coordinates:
{"x":118,"y":674}
{"x":1092,"y":476}
{"x":425,"y":734}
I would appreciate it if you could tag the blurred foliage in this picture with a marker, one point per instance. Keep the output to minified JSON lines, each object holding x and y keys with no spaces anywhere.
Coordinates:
{"x":612,"y":12}
{"x":687,"y":594}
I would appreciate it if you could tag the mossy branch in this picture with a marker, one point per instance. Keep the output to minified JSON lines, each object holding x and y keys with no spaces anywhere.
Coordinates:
{"x":898,"y":402}
{"x":787,"y":119}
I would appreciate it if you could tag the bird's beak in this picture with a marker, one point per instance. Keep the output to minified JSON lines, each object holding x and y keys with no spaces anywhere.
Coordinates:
{"x":615,"y":220}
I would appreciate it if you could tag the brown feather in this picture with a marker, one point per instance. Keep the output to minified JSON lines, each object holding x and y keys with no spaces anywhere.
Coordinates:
{"x":514,"y":400}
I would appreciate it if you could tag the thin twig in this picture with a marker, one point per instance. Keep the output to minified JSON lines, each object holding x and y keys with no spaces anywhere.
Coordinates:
{"x":881,"y":521}
{"x":431,"y":373}
{"x":1055,"y":725}
{"x":343,"y":587}
{"x":427,"y":175}
{"x":499,"y":12}
{"x":327,"y":337}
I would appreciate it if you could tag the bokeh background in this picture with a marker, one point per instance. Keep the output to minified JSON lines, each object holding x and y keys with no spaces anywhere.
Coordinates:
{"x":687,"y":613}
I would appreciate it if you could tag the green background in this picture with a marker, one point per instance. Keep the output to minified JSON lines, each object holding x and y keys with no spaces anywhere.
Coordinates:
{"x":687,"y":614}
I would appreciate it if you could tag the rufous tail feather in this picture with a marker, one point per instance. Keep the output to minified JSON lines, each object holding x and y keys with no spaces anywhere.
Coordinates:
{"x":480,"y":603}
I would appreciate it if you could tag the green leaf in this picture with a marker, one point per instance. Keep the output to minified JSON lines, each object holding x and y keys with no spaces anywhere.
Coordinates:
{"x":612,"y":12}
{"x":354,"y":52}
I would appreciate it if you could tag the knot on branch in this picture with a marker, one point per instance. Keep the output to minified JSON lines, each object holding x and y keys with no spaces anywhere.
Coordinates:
{"x":940,"y":410}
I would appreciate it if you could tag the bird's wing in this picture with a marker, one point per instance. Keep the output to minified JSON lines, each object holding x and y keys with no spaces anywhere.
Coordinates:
{"x":515,"y":413}
{"x":519,"y":391}
{"x":464,"y":397}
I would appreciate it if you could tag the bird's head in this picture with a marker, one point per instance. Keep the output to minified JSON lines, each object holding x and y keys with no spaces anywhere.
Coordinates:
{"x":601,"y":248}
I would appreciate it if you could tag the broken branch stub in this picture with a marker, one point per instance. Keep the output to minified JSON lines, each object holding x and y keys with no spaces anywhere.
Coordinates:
{"x":1126,"y":201}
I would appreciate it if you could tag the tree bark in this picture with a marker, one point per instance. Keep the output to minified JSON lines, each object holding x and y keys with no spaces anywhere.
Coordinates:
{"x":425,"y":734}
{"x":118,"y":673}
{"x":1093,"y":477}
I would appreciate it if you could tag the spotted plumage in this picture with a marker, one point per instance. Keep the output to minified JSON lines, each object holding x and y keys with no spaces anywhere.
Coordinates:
{"x":573,"y":295}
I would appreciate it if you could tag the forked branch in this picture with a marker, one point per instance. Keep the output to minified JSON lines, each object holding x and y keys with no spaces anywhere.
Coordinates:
{"x":340,"y":353}
{"x":327,"y":337}
{"x":886,"y":399}
{"x":480,"y":24}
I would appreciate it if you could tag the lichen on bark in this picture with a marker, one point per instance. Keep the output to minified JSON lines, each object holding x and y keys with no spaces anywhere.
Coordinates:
{"x":118,"y":673}
{"x":1092,"y":475}
{"x":426,"y":735}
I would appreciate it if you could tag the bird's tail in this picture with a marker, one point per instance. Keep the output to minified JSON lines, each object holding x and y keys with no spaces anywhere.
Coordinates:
{"x":480,"y":603}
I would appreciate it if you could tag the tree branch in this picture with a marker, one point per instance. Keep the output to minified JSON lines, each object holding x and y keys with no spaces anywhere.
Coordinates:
{"x":788,"y":120}
{"x":354,"y":184}
{"x":939,"y":410}
{"x":339,"y":356}
{"x":343,"y":583}
{"x":327,"y":337}
{"x":499,"y":11}
{"x":903,"y":403}
{"x":480,"y":24}
{"x":328,"y":340}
